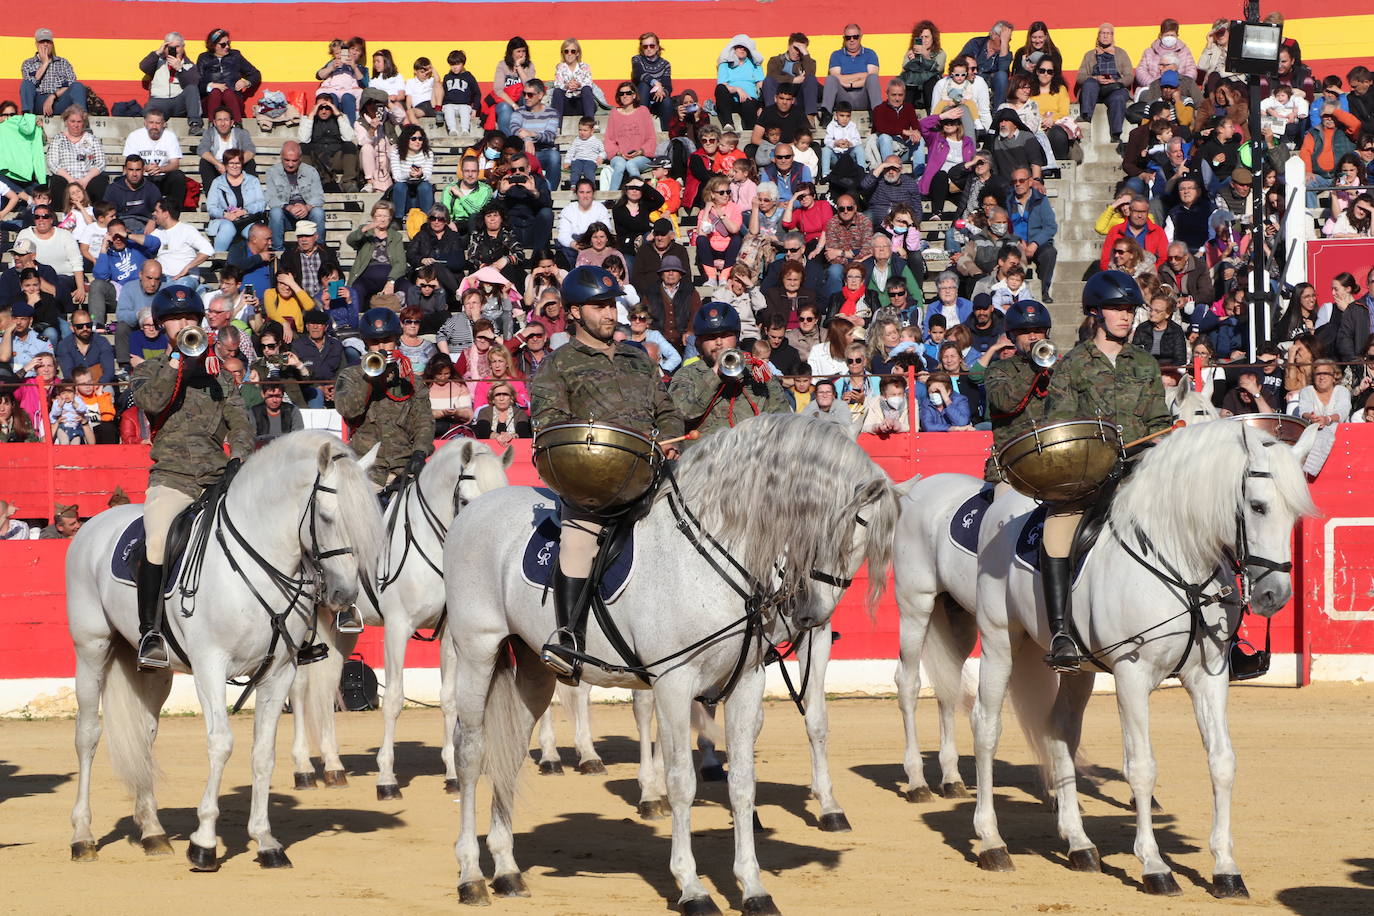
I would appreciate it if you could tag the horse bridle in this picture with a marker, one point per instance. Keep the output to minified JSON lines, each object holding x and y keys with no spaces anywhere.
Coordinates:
{"x":431,"y":518}
{"x":1240,"y":557}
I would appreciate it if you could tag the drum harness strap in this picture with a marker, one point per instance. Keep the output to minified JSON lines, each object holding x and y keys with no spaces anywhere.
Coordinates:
{"x":1039,"y":387}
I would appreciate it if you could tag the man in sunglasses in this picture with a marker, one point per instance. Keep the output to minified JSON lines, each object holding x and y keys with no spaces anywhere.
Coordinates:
{"x":848,"y":237}
{"x":853,"y":75}
{"x":527,"y":200}
{"x":84,"y":349}
{"x":662,"y":242}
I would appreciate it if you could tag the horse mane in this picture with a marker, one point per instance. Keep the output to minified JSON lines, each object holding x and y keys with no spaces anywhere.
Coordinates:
{"x":1195,"y":526}
{"x":785,"y":486}
{"x":359,"y":514}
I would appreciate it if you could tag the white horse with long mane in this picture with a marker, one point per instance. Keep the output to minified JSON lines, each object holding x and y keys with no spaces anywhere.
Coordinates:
{"x":298,"y":527}
{"x":785,"y":551}
{"x":1155,"y":598}
{"x":410,"y":589}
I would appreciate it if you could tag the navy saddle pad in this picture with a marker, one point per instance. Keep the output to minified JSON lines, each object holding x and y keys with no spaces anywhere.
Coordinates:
{"x":1028,"y":543}
{"x":541,"y":551}
{"x":968,"y":519}
{"x":130,"y":544}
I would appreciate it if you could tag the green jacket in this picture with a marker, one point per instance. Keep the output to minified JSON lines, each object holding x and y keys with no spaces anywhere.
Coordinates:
{"x":401,"y":426}
{"x":1086,"y":384}
{"x":623,"y":387}
{"x":463,"y":209}
{"x":710,"y":403}
{"x":1007,"y":382}
{"x":202,"y":414}
{"x":363,"y":242}
{"x":21,"y":149}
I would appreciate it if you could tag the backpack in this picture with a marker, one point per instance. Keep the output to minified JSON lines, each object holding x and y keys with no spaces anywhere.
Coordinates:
{"x":95,"y":105}
{"x":845,"y":177}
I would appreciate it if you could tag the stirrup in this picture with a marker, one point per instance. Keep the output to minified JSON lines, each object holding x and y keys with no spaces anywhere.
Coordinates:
{"x":1064,"y":655}
{"x":152,"y":652}
{"x":556,"y":656}
{"x":309,"y":654}
{"x":348,"y":621}
{"x":1245,"y":667}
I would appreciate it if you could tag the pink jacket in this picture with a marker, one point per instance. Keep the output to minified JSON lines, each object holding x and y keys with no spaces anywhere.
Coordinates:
{"x":1147,"y":71}
{"x":631,"y":131}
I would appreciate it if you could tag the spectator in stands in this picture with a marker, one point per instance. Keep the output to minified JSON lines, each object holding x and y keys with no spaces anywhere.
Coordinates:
{"x":633,"y":214}
{"x":231,"y":304}
{"x":577,"y":217}
{"x":449,"y":398}
{"x":375,"y":134}
{"x":457,"y":96}
{"x":65,"y":524}
{"x":133,"y":196}
{"x":48,"y":83}
{"x":1249,"y":396}
{"x":235,"y":203}
{"x":56,"y":248}
{"x":286,"y":303}
{"x":1354,"y":222}
{"x":500,"y":369}
{"x":1235,"y":195}
{"x":739,"y":80}
{"x":440,"y":248}
{"x":1032,"y":220}
{"x":325,"y":144}
{"x":1186,"y":222}
{"x":513,"y":72}
{"x":662,"y":242}
{"x":651,"y":77}
{"x":466,"y":197}
{"x":848,"y":236}
{"x":947,"y":150}
{"x":1106,"y":75}
{"x":528,"y":202}
{"x":254,"y":259}
{"x":854,"y":300}
{"x":1324,"y":147}
{"x":428,"y":295}
{"x":790,"y":294}
{"x":538,"y":125}
{"x":1323,"y":402}
{"x":719,"y":232}
{"x":134,"y":298}
{"x":83,"y":348}
{"x":1160,"y":335}
{"x":948,"y":303}
{"x":941,"y":409}
{"x":493,"y":243}
{"x":275,"y":416}
{"x":791,"y":178}
{"x":992,"y":55}
{"x":883,"y":267}
{"x":1211,"y":63}
{"x":343,"y":76}
{"x":40,"y":374}
{"x":173,"y":82}
{"x":76,"y":156}
{"x":806,"y":213}
{"x":150,"y":341}
{"x":968,"y":95}
{"x":1140,"y":229}
{"x":1167,"y":45}
{"x":630,"y":138}
{"x":412,"y":168}
{"x":1291,"y":72}
{"x":923,"y":64}
{"x":118,"y":259}
{"x":1015,"y":147}
{"x":573,"y":86}
{"x":1359,"y":101}
{"x":226,"y":77}
{"x":895,"y":126}
{"x":308,"y":261}
{"x":1187,"y":275}
{"x":20,"y":344}
{"x":11,"y":529}
{"x":595,"y":245}
{"x":1027,"y":109}
{"x":671,"y":302}
{"x":852,"y":75}
{"x":418,"y":350}
{"x":794,"y":68}
{"x":1039,"y":47}
{"x":503,"y":419}
{"x":387,"y":79}
{"x":823,"y":404}
{"x":828,"y":359}
{"x":15,"y":424}
{"x":160,"y":151}
{"x":529,"y":347}
{"x":1351,"y":317}
{"x":294,"y":193}
{"x":322,"y":356}
{"x":224,"y":136}
{"x":889,"y":413}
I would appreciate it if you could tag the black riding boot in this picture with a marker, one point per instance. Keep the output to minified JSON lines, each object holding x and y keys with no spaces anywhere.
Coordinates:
{"x":152,"y":648}
{"x":1056,"y":582}
{"x":568,"y":595}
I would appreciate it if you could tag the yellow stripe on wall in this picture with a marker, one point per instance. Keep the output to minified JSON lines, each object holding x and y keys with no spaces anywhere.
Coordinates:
{"x":1328,"y":38}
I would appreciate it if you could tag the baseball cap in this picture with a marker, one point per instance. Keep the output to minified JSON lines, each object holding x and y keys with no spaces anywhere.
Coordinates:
{"x":659,"y":162}
{"x":43,"y":35}
{"x":316,"y":316}
{"x":663,"y":227}
{"x":24,"y":246}
{"x":306,"y":227}
{"x":1168,"y":78}
{"x":21,"y":310}
{"x":982,"y":301}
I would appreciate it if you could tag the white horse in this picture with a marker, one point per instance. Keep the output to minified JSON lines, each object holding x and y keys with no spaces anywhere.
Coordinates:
{"x":411,"y":590}
{"x":299,"y":527}
{"x":785,"y":548}
{"x":576,"y":703}
{"x":1155,"y":598}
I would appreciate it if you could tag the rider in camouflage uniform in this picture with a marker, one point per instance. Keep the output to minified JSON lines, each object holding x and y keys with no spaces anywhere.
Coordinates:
{"x":1015,"y":386}
{"x":1109,"y":377}
{"x":593,"y":377}
{"x":711,"y":401}
{"x":193,"y":407}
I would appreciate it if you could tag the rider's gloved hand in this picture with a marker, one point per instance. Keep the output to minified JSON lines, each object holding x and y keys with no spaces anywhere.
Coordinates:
{"x":416,"y":463}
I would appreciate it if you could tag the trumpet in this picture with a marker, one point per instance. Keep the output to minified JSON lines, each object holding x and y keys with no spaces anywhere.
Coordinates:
{"x":731,"y":363}
{"x":1044,"y":353}
{"x":375,"y":363}
{"x":192,"y":342}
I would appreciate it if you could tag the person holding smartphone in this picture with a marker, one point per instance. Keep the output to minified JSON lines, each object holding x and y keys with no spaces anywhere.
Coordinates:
{"x":173,"y":82}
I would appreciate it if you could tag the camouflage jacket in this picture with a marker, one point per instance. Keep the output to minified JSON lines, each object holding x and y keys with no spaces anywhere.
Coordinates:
{"x":1007,"y":381}
{"x":625,"y":387}
{"x":1128,"y":393}
{"x":201,"y":415}
{"x":401,"y":426}
{"x":710,"y":403}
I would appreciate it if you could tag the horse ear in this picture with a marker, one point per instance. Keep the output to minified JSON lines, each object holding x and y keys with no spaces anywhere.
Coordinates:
{"x":1303,"y":446}
{"x":367,"y":461}
{"x":465,"y":450}
{"x":508,"y":457}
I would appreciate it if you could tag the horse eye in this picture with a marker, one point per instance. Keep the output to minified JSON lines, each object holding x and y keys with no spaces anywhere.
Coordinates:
{"x":1258,"y":507}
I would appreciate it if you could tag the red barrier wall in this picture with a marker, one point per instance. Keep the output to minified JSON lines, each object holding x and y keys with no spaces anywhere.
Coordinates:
{"x":1332,"y":613}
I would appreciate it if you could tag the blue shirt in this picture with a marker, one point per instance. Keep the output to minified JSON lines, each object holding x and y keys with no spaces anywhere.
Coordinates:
{"x":849,"y":65}
{"x":132,"y":299}
{"x":744,"y":75}
{"x":26,"y":348}
{"x":99,"y":353}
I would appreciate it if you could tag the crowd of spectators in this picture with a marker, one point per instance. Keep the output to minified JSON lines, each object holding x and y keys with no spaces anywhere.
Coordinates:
{"x":771,"y":194}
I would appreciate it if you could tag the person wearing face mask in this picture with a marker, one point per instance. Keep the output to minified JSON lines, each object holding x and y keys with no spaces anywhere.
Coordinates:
{"x":889,"y":413}
{"x":1168,"y":44}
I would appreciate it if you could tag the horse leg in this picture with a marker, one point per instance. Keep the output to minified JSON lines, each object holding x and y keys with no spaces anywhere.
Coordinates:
{"x":949,"y":643}
{"x":341,"y":646}
{"x":271,"y":692}
{"x":1066,"y":727}
{"x":395,"y":637}
{"x":448,"y":699}
{"x":533,"y":688}
{"x":301,"y":728}
{"x":1133,"y":705}
{"x":219,"y":744}
{"x":652,"y":801}
{"x":550,"y":763}
{"x":916,"y":608}
{"x":1209,"y":705}
{"x":92,"y":667}
{"x":994,"y":674}
{"x":743,"y":719}
{"x":674,"y":702}
{"x":473,"y":675}
{"x":817,"y":730}
{"x":579,"y":707}
{"x":153,"y":688}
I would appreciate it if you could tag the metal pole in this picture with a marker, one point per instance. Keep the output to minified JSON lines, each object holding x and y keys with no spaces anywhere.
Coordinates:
{"x":1259,"y":282}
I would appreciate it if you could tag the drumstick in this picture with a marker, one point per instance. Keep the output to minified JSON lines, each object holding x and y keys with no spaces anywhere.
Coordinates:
{"x":693,"y":436}
{"x":1178,"y":424}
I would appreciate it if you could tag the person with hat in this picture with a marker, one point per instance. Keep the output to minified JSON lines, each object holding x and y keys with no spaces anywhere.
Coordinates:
{"x":1014,"y":146}
{"x":670,"y":301}
{"x":48,"y":83}
{"x":327,"y":144}
{"x":1015,"y":384}
{"x":65,"y":524}
{"x":321,"y":354}
{"x":310,"y":261}
{"x":20,"y":341}
{"x":593,"y":377}
{"x":390,"y":408}
{"x":193,"y":409}
{"x":661,"y":243}
{"x":1105,"y":376}
{"x":710,"y":398}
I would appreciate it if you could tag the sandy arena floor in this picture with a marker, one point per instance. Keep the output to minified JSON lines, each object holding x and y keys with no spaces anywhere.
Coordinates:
{"x":1303,"y":823}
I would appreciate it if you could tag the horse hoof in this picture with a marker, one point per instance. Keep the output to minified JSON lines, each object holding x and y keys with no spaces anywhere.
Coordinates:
{"x":650,"y":810}
{"x":713,"y":773}
{"x":451,"y":786}
{"x":474,"y":893}
{"x":85,"y":851}
{"x":760,"y":906}
{"x":995,"y":860}
{"x":591,"y":767}
{"x":700,"y":906}
{"x":335,"y":779}
{"x":954,"y":790}
{"x":389,"y":792}
{"x":1085,"y":859}
{"x":1162,"y":885}
{"x":157,"y":845}
{"x":834,"y":822}
{"x":273,"y":858}
{"x":919,"y":795}
{"x":1229,"y":886}
{"x":550,"y":768}
{"x":305,"y":780}
{"x":512,"y":885}
{"x":202,"y":858}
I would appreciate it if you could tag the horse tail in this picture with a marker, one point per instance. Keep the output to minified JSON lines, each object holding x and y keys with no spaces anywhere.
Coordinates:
{"x":1033,"y":689}
{"x":707,"y":728}
{"x":949,"y":642}
{"x":130,"y":704}
{"x":506,"y":723}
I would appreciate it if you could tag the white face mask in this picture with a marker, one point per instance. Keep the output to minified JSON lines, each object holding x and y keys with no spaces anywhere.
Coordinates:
{"x":894,"y":401}
{"x":1169,"y":41}
{"x":937,"y":399}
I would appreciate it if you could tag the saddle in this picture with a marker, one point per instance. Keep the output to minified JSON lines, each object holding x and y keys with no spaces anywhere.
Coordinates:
{"x":614,"y":563}
{"x":1089,"y":529}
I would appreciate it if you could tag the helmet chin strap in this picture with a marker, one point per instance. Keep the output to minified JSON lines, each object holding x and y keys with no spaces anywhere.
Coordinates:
{"x":1102,"y":323}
